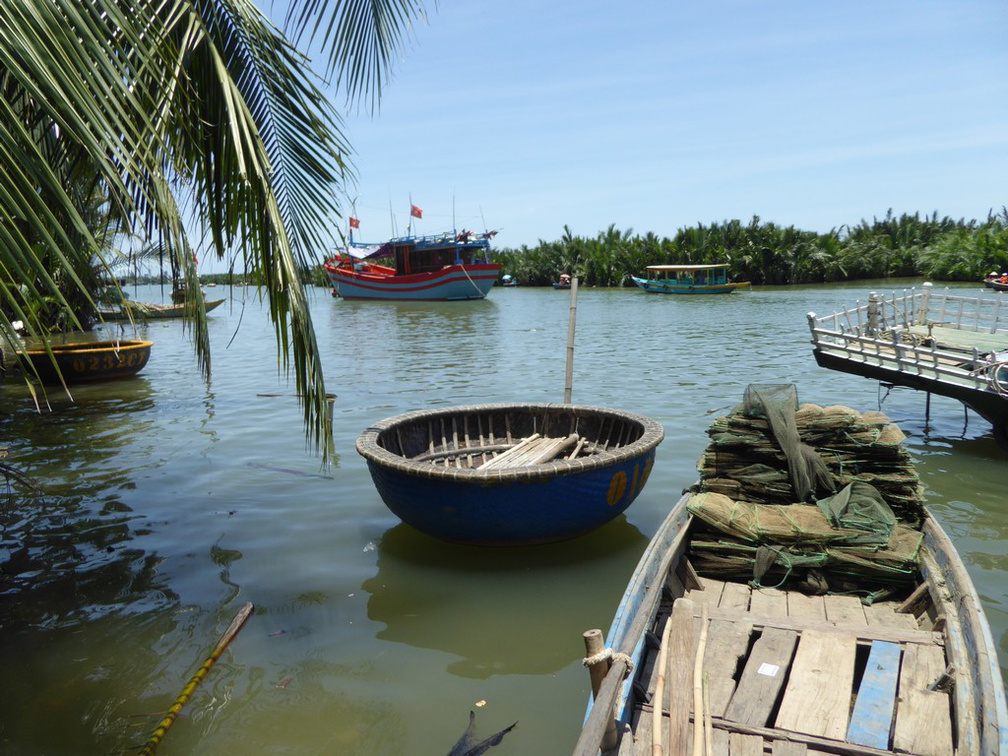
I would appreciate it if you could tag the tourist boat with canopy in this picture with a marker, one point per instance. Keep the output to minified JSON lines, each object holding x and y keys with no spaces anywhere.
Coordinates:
{"x":798,"y":599}
{"x":447,"y":266}
{"x":688,"y":279}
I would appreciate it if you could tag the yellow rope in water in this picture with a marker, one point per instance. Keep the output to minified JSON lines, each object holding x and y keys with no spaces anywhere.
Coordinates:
{"x":236,"y":624}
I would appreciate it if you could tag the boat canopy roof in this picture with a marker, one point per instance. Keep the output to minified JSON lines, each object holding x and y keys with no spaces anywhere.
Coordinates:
{"x":463,"y":240}
{"x":678,"y":268}
{"x":366,"y":251}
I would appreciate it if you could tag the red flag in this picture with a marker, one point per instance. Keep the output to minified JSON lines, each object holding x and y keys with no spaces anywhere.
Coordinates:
{"x":415,"y":211}
{"x":354,"y":223}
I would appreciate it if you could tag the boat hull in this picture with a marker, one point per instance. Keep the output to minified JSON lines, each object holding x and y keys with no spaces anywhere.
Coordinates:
{"x":454,"y":282}
{"x":538,"y":503}
{"x":668,"y":287}
{"x":142,"y":311}
{"x":979,"y":710}
{"x":800,"y":628}
{"x":89,"y":361}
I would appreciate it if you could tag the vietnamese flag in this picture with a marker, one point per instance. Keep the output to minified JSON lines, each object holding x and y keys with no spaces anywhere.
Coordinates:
{"x":415,"y":211}
{"x":354,"y":223}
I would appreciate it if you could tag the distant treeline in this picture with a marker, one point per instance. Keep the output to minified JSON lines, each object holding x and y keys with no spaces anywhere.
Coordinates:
{"x":940,"y":249}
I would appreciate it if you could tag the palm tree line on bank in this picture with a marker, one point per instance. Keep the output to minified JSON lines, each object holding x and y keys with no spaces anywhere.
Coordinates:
{"x":939,"y":248}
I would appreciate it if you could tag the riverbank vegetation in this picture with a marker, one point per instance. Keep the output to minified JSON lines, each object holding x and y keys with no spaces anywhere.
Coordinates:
{"x":938,"y":248}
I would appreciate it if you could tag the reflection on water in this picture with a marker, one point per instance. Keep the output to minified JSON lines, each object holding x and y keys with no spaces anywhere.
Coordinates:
{"x":167,"y":502}
{"x":417,"y":595}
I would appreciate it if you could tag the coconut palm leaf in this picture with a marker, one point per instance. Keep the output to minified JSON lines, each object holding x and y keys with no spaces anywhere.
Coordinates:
{"x":360,"y":38}
{"x":169,"y":106}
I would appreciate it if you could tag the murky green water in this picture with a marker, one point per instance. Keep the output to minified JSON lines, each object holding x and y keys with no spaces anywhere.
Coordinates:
{"x":168,"y":503}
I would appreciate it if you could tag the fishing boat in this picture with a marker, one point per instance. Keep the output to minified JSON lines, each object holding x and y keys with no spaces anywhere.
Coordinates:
{"x":996,"y":281}
{"x":763,"y":620}
{"x":508,"y":281}
{"x":130,"y":310}
{"x":87,"y":361}
{"x":938,"y":342}
{"x":448,"y":266}
{"x":688,"y":279}
{"x":506,"y":474}
{"x":564,"y":282}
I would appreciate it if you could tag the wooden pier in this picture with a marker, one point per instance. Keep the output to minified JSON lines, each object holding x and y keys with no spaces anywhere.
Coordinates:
{"x":933,"y":341}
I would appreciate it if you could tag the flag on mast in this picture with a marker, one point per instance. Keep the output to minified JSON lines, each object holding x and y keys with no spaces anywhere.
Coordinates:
{"x":354,"y":223}
{"x":415,"y":211}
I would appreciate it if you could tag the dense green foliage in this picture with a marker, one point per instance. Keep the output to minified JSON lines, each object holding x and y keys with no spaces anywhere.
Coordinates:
{"x":181,"y":125}
{"x":764,"y":253}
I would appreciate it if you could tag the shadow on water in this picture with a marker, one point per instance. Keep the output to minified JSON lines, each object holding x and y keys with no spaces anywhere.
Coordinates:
{"x":494,"y":608}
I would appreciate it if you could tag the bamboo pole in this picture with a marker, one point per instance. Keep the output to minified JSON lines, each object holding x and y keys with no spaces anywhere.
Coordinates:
{"x":503,"y":459}
{"x":708,"y":725}
{"x":570,"y":340}
{"x":657,"y":726}
{"x":699,"y":748}
{"x":229,"y":635}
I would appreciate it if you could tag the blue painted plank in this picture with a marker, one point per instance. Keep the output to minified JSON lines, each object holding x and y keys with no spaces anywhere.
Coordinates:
{"x":876,"y":699}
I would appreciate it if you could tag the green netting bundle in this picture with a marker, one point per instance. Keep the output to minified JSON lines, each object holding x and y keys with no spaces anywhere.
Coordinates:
{"x":772,"y":450}
{"x":824,"y":497}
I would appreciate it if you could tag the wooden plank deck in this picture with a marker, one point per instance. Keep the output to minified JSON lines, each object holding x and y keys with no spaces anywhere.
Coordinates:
{"x":796,"y":675}
{"x":965,"y":340}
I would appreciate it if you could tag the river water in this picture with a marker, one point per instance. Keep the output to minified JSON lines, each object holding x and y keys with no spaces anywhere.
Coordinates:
{"x":167,"y":502}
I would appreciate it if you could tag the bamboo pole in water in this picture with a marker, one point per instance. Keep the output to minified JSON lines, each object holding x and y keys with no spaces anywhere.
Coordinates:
{"x":229,"y":635}
{"x":570,"y":340}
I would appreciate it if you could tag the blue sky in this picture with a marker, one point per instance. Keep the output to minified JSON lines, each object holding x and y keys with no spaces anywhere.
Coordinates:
{"x":653,"y":116}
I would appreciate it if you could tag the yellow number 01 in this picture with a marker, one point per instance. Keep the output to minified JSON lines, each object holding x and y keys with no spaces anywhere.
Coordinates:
{"x":618,"y":482}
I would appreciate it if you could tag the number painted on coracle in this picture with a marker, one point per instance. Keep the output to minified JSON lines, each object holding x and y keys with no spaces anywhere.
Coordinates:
{"x":617,"y":487}
{"x":618,"y":484}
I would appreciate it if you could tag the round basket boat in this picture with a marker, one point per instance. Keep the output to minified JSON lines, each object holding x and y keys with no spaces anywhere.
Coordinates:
{"x":507,"y":474}
{"x":89,"y":360}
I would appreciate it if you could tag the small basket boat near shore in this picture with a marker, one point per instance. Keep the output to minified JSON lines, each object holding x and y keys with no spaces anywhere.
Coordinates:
{"x":506,"y":474}
{"x":87,"y":361}
{"x":799,"y":599}
{"x":141,"y":311}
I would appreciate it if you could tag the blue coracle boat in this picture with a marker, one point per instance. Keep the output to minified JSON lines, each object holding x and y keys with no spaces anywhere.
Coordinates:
{"x":508,"y":474}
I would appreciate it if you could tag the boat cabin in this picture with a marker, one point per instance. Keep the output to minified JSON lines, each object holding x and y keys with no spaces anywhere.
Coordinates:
{"x":425,"y":254}
{"x":690,"y":275}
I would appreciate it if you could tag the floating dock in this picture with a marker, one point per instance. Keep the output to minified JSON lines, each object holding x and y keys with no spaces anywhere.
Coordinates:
{"x":934,"y":341}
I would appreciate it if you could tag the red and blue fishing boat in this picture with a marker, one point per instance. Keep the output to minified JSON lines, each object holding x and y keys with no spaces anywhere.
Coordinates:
{"x":509,"y":474}
{"x":447,"y":266}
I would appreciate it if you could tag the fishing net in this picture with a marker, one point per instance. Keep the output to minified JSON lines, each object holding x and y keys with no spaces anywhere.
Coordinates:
{"x":867,"y":522}
{"x":826,"y":498}
{"x":826,"y":449}
{"x":778,"y":403}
